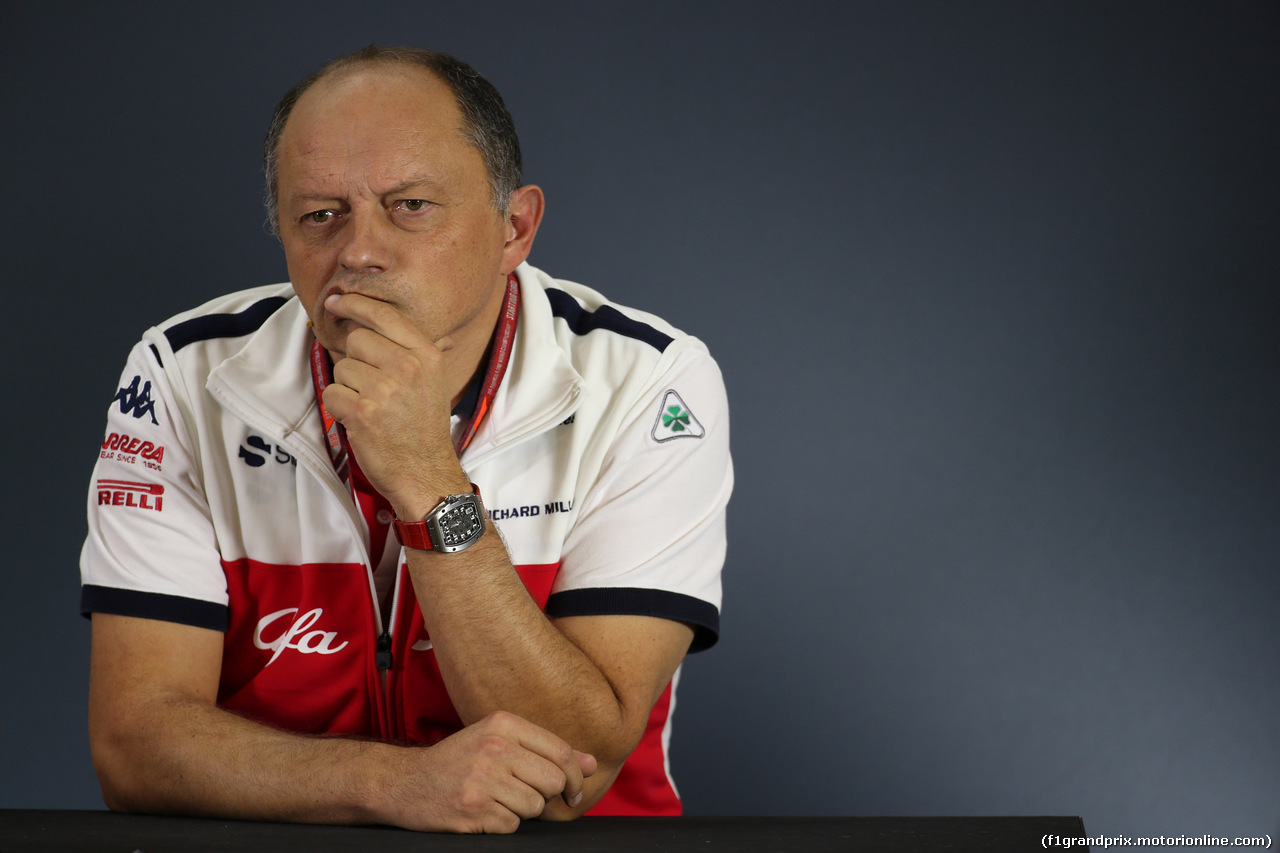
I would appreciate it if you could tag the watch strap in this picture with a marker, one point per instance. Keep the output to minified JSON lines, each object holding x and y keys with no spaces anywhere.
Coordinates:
{"x":413,"y":534}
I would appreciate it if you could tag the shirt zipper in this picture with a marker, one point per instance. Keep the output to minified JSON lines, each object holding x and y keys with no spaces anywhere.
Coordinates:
{"x":340,"y":492}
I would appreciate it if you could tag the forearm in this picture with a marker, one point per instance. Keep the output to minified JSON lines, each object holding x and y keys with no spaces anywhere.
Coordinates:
{"x":182,"y":755}
{"x":497,"y":651}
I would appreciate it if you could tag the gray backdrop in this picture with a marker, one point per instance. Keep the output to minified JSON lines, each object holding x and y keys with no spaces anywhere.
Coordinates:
{"x":993,"y":286}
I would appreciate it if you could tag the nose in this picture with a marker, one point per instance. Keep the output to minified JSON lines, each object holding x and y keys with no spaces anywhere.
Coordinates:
{"x":367,"y":247}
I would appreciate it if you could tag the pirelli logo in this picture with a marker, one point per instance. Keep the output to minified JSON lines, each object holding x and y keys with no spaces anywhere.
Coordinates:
{"x":131,"y":494}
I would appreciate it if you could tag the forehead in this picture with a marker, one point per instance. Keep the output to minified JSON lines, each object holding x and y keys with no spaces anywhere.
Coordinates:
{"x":376,"y":124}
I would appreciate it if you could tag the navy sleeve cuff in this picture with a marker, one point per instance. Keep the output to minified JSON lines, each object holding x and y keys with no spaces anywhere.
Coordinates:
{"x":700,"y":615}
{"x":153,"y":605}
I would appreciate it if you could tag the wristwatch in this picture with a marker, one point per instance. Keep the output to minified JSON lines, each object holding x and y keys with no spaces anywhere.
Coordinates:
{"x":455,"y":525}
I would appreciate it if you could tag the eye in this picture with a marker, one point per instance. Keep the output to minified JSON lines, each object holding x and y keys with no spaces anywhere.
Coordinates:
{"x":318,"y":217}
{"x":414,"y":205}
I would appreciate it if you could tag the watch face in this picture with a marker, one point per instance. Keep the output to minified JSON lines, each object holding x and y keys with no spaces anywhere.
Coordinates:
{"x":459,"y":525}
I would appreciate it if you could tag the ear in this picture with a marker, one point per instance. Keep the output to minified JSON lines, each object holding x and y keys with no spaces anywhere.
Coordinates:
{"x":524,"y":214}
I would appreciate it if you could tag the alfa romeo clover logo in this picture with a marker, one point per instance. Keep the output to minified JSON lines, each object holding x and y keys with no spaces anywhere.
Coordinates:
{"x":675,"y":419}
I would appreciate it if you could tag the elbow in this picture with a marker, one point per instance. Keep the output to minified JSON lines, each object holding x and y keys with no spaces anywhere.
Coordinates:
{"x":107,"y":764}
{"x":615,"y":733}
{"x":117,"y":763}
{"x":115,"y":795}
{"x":111,"y":797}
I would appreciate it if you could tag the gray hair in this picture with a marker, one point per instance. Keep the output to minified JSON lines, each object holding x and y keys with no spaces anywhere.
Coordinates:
{"x":487,"y":124}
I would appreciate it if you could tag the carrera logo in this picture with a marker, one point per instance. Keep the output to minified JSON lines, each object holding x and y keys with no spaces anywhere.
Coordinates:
{"x":127,"y":493}
{"x":297,"y":636}
{"x":125,"y":448}
{"x":135,"y":402}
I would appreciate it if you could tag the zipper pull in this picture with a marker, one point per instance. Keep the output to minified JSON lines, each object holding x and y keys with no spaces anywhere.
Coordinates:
{"x":383,"y":656}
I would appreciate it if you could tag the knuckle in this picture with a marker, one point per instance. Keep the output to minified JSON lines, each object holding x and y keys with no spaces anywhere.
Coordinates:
{"x":537,"y":804}
{"x":403,"y":363}
{"x":431,"y":356}
{"x":366,"y":410}
{"x":468,"y":824}
{"x":472,"y":799}
{"x":502,"y":720}
{"x":493,"y":745}
{"x":356,"y":339}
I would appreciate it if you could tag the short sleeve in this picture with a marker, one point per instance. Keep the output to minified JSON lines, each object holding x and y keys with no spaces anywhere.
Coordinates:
{"x":650,"y":539}
{"x":151,"y":550}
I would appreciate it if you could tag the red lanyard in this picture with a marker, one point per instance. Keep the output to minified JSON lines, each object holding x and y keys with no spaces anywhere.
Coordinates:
{"x":503,"y":339}
{"x":500,"y":355}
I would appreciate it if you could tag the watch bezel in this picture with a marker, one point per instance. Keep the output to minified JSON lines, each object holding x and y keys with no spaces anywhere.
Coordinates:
{"x":454,"y":504}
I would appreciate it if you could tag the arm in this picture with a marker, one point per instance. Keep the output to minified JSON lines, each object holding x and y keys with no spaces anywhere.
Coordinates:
{"x":591,"y":679}
{"x":160,"y":744}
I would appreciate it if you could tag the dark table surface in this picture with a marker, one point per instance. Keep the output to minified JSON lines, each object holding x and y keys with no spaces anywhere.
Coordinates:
{"x":93,"y":831}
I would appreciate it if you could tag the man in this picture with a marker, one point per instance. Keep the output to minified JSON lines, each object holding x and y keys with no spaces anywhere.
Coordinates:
{"x":556,"y":468}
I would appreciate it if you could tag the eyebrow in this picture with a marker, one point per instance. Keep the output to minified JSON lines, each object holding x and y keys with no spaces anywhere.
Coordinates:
{"x":425,"y":179}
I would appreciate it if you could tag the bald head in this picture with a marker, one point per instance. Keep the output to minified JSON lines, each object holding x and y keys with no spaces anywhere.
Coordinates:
{"x":485,"y":123}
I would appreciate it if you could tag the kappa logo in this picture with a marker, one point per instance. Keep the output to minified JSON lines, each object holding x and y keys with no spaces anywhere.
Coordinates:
{"x":675,"y":420}
{"x":297,"y":636}
{"x":135,"y":402}
{"x":128,"y":493}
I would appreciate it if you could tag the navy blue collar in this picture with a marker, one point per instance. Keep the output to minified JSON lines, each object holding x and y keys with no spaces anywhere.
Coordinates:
{"x":467,"y":405}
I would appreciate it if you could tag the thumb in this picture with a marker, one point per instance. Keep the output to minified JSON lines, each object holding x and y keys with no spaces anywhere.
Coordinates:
{"x":586,"y":763}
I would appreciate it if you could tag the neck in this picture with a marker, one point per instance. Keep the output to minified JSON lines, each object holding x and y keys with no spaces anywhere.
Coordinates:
{"x":462,"y":370}
{"x":468,"y":362}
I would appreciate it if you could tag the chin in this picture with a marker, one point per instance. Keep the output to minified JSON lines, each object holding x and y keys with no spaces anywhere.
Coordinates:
{"x":330,"y":346}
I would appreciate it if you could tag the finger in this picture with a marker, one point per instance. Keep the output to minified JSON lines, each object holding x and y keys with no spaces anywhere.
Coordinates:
{"x":340,"y":401}
{"x":374,"y":314}
{"x":586,"y":766}
{"x":511,"y":779}
{"x":504,"y":747}
{"x":548,"y":747}
{"x":373,"y":347}
{"x":586,"y":762}
{"x":492,"y":818}
{"x":503,"y":822}
{"x":568,"y":781}
{"x":521,"y":798}
{"x":355,"y":373}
